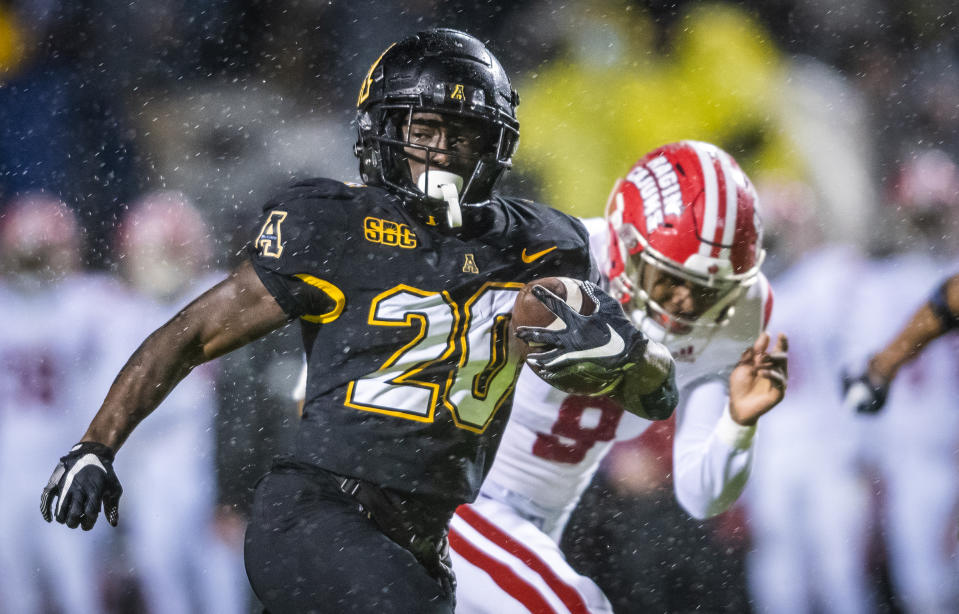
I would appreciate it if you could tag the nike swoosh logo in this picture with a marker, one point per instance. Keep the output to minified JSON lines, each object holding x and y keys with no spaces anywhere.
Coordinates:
{"x":614,"y":346}
{"x":527,"y":258}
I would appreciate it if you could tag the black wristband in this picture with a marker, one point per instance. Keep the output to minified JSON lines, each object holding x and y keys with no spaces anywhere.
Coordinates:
{"x":940,"y":307}
{"x":92,"y":447}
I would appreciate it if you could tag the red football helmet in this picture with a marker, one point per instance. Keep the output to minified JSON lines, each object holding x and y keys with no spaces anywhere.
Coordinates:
{"x":39,"y":237}
{"x":688,"y":213}
{"x":928,"y":182}
{"x":922,"y":205}
{"x":163,"y":243}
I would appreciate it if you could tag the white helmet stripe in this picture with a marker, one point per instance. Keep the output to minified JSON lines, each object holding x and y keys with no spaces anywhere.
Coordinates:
{"x":711,"y":211}
{"x":729,"y":229}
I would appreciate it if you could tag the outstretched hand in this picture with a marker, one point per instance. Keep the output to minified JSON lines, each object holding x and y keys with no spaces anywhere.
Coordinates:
{"x":82,"y":482}
{"x":758,"y":382}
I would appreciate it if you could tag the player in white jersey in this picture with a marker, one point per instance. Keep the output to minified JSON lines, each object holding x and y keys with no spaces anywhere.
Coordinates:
{"x":807,"y":500}
{"x":681,"y":246}
{"x":168,"y":529}
{"x":909,"y":447}
{"x":807,"y":509}
{"x":867,"y":392}
{"x":929,"y":187}
{"x":48,"y":352}
{"x":909,"y":444}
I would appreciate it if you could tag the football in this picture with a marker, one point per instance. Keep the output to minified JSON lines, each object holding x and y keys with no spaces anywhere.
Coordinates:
{"x":530,"y":311}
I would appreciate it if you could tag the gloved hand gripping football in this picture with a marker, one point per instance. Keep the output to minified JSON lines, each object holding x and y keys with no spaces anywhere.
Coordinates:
{"x":591,"y":352}
{"x":83,"y":481}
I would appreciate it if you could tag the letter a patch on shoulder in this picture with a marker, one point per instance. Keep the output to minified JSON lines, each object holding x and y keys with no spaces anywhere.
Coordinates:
{"x":270,"y":240}
{"x":469,"y":265}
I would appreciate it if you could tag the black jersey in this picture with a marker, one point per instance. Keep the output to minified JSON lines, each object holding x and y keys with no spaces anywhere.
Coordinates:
{"x":409,"y":381}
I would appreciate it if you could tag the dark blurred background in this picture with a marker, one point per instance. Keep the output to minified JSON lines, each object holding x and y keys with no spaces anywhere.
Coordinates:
{"x":825,"y":104}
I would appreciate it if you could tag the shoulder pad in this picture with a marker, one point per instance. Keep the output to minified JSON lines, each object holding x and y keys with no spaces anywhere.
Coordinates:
{"x":753,"y":310}
{"x":538,"y":222}
{"x":315,"y":188}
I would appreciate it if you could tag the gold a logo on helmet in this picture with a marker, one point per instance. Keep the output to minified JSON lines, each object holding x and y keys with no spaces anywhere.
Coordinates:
{"x":458,"y":93}
{"x":365,"y":87}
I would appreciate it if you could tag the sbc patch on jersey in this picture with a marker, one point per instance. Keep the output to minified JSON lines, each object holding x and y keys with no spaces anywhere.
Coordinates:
{"x":270,"y":240}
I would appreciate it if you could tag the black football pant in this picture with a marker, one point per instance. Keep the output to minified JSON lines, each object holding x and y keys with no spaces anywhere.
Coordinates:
{"x":310,"y":549}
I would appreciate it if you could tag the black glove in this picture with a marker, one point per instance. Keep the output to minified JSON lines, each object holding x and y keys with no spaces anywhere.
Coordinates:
{"x":591,"y":353}
{"x":84,"y":479}
{"x":863,"y":393}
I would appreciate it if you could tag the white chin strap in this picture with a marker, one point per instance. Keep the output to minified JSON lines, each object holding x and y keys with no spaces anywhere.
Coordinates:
{"x":444,"y":186}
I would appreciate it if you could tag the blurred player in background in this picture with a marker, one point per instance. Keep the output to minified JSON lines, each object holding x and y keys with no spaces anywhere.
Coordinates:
{"x":164,"y":255}
{"x":681,"y":247}
{"x":50,"y":351}
{"x":928,"y":183}
{"x":909,"y":447}
{"x":806,"y":501}
{"x":867,"y":392}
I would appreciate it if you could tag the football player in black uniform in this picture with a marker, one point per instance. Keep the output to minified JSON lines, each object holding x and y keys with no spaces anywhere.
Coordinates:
{"x":403,"y":288}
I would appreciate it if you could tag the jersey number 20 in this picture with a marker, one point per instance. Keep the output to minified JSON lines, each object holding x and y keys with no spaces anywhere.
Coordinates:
{"x":468,"y":341}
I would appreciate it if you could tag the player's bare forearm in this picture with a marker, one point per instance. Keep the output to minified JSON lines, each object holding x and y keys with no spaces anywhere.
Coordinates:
{"x":648,"y":389}
{"x":925,"y":326}
{"x":231,"y":314}
{"x":922,"y":328}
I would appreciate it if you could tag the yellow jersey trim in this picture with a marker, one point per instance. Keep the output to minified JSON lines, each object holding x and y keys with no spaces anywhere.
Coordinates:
{"x":331,"y":291}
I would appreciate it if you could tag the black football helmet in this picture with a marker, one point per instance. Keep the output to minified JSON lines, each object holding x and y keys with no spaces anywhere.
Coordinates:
{"x":441,"y":71}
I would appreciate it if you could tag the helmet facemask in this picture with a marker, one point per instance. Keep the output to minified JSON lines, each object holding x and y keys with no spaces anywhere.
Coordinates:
{"x":660,"y":287}
{"x":475,"y":156}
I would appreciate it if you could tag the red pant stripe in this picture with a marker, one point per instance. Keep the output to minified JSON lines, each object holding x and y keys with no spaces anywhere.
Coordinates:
{"x":505,"y":578}
{"x":567,"y":594}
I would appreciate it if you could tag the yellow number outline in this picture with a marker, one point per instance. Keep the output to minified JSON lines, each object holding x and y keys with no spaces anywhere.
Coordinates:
{"x":457,"y":341}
